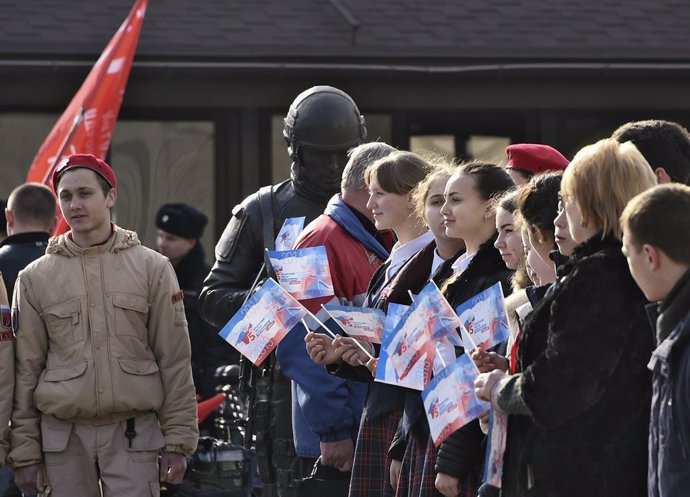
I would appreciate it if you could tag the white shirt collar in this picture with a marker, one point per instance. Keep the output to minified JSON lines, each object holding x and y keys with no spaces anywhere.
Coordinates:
{"x":436,"y":263}
{"x":402,"y":253}
{"x":462,"y":263}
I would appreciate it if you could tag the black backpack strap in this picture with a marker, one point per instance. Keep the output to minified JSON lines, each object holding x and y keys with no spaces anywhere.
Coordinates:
{"x":266,"y":202}
{"x":265,"y":196}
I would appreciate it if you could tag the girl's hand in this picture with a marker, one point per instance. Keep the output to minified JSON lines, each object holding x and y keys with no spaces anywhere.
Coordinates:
{"x":447,"y":485}
{"x":486,"y":382}
{"x":350,"y":352}
{"x":488,"y":361}
{"x":320,"y":349}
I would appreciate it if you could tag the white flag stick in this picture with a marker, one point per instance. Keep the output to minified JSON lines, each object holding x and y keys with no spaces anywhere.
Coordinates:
{"x":256,"y":280}
{"x":328,"y":330}
{"x":440,"y":357}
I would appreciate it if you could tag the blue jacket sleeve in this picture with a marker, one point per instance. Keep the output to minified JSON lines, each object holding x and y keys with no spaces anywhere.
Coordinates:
{"x":331,"y":405}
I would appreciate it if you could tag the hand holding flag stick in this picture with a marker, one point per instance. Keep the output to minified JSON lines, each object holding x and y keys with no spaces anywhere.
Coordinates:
{"x":356,"y":342}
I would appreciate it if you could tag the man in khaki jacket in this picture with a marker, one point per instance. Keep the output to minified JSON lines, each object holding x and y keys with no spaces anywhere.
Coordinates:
{"x":103,"y":374}
{"x":6,"y":371}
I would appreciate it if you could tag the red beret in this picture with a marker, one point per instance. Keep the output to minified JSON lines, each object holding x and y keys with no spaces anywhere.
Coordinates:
{"x":535,"y":158}
{"x":86,"y":161}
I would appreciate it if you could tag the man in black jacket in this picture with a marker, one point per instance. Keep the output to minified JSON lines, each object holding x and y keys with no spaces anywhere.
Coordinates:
{"x":656,"y":242}
{"x":322,"y":124}
{"x":180,"y":226}
{"x":30,"y":216}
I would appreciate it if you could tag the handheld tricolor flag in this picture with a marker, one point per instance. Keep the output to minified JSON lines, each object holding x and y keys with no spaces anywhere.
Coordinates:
{"x":449,"y":399}
{"x":362,"y":323}
{"x":485,"y":318}
{"x":262,"y":322}
{"x":287,"y":236}
{"x":304,"y":273}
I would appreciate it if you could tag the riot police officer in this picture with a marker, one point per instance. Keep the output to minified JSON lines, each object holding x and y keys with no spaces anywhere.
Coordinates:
{"x":321,"y":125}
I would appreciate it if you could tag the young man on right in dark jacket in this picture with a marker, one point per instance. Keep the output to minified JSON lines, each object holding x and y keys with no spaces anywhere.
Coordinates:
{"x":656,"y":243}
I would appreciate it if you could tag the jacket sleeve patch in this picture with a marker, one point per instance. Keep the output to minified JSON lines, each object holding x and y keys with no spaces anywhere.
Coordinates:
{"x":5,"y":318}
{"x":176,"y":297}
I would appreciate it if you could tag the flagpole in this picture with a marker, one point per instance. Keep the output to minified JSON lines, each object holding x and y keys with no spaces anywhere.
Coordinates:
{"x":65,"y":143}
{"x":474,"y":345}
{"x":256,"y":280}
{"x":440,"y":356}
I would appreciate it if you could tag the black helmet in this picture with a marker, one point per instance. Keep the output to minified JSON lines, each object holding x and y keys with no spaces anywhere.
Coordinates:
{"x":323,"y":118}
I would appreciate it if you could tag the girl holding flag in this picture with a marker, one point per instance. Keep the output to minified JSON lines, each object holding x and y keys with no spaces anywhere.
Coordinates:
{"x":469,"y":213}
{"x":391,"y":181}
{"x":413,"y":457}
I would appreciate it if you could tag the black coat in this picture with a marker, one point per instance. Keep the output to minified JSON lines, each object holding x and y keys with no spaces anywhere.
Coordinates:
{"x":669,"y":428}
{"x":209,"y":350}
{"x":240,"y":250}
{"x":17,"y":252}
{"x":461,"y":453}
{"x":584,"y":387}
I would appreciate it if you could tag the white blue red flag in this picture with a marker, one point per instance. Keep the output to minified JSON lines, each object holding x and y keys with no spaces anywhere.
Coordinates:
{"x":443,"y":321}
{"x":262,"y":322}
{"x":495,"y":449}
{"x":287,"y":236}
{"x":485,"y":318}
{"x":449,"y":399}
{"x":304,"y":273}
{"x":362,"y":323}
{"x":385,"y":372}
{"x":410,"y":348}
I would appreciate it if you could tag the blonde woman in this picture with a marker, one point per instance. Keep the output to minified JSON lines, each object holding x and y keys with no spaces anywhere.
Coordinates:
{"x":579,"y":408}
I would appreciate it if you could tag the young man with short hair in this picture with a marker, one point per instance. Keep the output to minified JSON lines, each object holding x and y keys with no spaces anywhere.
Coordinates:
{"x":664,"y":144}
{"x":103,"y":376}
{"x":30,"y":214}
{"x":656,"y":242}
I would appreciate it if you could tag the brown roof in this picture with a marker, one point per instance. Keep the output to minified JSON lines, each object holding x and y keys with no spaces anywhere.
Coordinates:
{"x":392,"y":31}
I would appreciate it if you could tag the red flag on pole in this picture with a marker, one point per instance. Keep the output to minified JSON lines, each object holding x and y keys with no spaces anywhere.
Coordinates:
{"x":87,"y":125}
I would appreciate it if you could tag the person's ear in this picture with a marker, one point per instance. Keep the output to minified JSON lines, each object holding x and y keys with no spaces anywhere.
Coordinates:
{"x":541,"y":234}
{"x":662,"y":176}
{"x":111,"y":197}
{"x":652,"y":256}
{"x":490,"y":209}
{"x":9,"y":217}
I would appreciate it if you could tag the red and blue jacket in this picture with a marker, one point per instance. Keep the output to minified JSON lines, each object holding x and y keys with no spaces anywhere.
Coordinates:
{"x":327,"y":408}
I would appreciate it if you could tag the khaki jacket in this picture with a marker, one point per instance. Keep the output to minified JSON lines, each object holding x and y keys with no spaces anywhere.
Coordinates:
{"x":101,"y":336}
{"x":6,"y":371}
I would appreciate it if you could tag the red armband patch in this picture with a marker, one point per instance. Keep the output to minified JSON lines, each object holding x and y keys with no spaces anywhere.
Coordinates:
{"x":176,"y":297}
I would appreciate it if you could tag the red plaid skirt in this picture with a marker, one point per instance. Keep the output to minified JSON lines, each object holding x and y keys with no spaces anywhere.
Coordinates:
{"x":418,"y":474}
{"x":371,"y":467}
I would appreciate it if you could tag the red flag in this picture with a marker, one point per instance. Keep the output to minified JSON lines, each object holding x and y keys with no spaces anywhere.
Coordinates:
{"x":87,"y":125}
